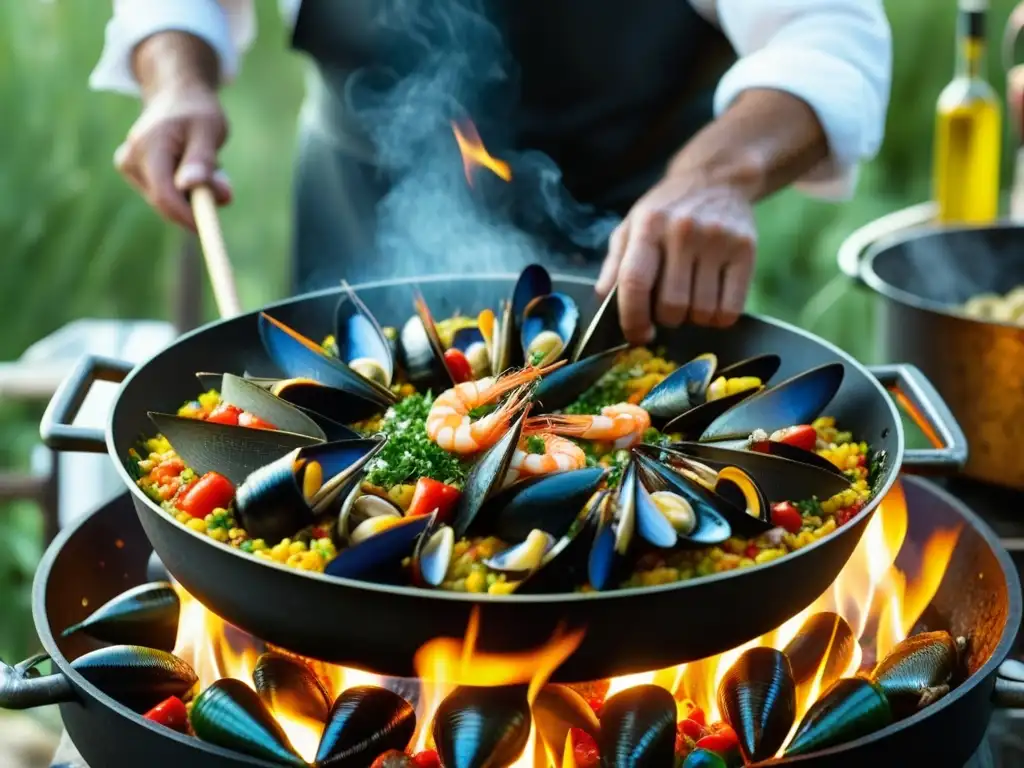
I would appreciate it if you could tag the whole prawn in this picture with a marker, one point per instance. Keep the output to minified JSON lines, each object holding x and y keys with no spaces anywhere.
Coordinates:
{"x":623,"y":425}
{"x":543,"y":453}
{"x":449,"y":423}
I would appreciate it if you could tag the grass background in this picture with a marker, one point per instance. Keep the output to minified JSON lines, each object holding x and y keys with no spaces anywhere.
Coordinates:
{"x":76,"y":242}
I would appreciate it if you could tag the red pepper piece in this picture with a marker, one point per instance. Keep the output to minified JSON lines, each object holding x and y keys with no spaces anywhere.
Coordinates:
{"x":844,"y":516}
{"x":801,"y":436}
{"x":171,"y":713}
{"x":207,"y":494}
{"x":595,"y":703}
{"x":786,"y":515}
{"x":426,"y":759}
{"x":458,"y":365}
{"x":690,"y":729}
{"x":430,"y":495}
{"x":225,"y":414}
{"x":584,"y":749}
{"x":722,"y":739}
{"x":690,"y":711}
{"x":246,"y":419}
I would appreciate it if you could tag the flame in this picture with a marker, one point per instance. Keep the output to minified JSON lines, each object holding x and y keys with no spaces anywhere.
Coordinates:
{"x":475,"y":155}
{"x":880,"y":602}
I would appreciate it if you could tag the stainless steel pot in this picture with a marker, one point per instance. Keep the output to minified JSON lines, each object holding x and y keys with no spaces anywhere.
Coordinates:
{"x":922,"y":274}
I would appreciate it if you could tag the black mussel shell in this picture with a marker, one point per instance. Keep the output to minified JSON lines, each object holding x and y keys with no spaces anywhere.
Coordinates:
{"x":744,"y":494}
{"x":485,"y":477}
{"x":604,"y":330}
{"x":333,"y":431}
{"x":565,"y":566}
{"x":335,"y":404}
{"x":470,"y":341}
{"x":381,"y":552}
{"x":798,"y":400}
{"x":476,"y":727}
{"x":260,"y":402}
{"x":146,"y":615}
{"x":235,"y":452}
{"x":681,"y":390}
{"x":364,"y":722}
{"x":799,"y":455}
{"x":522,"y":559}
{"x":289,"y":687}
{"x":714,"y":514}
{"x":780,"y":479}
{"x":357,"y":508}
{"x":137,"y":677}
{"x":209,"y":380}
{"x":230,"y":714}
{"x":432,"y":556}
{"x":362,"y":345}
{"x":762,"y":367}
{"x":918,"y":670}
{"x":692,"y":423}
{"x":532,"y":282}
{"x":757,"y":697}
{"x":638,"y":728}
{"x":299,"y":357}
{"x":564,"y":385}
{"x":822,"y":633}
{"x":650,"y":524}
{"x":424,"y":352}
{"x":851,"y":708}
{"x":548,"y":502}
{"x":554,"y":313}
{"x":605,"y":564}
{"x":558,"y":708}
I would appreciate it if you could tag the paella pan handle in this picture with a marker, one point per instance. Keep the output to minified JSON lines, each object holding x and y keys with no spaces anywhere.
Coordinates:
{"x":21,"y":686}
{"x":925,"y":405}
{"x":856,"y":245}
{"x":56,"y":429}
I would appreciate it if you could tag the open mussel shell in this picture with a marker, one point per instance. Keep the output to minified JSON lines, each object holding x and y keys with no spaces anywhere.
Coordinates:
{"x":780,"y":479}
{"x":604,"y":330}
{"x":230,"y":714}
{"x":825,"y":638}
{"x":362,"y":345}
{"x":289,"y":494}
{"x":792,"y":453}
{"x":556,"y":710}
{"x":762,"y":367}
{"x":300,"y":357}
{"x":851,"y":708}
{"x":605,"y":565}
{"x":743,"y":492}
{"x":798,"y":400}
{"x":477,"y":727}
{"x":548,"y":502}
{"x":251,"y":397}
{"x":692,"y":423}
{"x":422,"y":349}
{"x":235,"y":452}
{"x":432,"y":556}
{"x":532,"y":282}
{"x":548,"y":328}
{"x":146,"y":615}
{"x":564,"y":385}
{"x":650,"y":523}
{"x":485,"y":477}
{"x":638,"y":728}
{"x":320,"y":401}
{"x":365,"y":721}
{"x":135,"y":676}
{"x":522,"y":559}
{"x":359,"y":507}
{"x":381,"y":552}
{"x":917,"y":670}
{"x":289,"y":688}
{"x":714,"y":514}
{"x":471,"y":343}
{"x":566,"y":565}
{"x":757,"y":697}
{"x":681,"y":390}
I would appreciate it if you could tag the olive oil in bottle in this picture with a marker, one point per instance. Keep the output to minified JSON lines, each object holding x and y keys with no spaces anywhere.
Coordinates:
{"x":968,"y":130}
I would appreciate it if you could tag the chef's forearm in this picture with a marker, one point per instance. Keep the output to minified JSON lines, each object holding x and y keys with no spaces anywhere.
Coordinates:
{"x":765,"y":141}
{"x":174,"y":60}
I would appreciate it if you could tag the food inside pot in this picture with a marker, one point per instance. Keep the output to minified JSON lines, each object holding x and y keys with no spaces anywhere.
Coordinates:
{"x":1006,"y":308}
{"x":385,"y":454}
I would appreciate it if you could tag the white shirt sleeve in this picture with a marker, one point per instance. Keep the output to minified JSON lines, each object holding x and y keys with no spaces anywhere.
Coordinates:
{"x":836,"y":55}
{"x":228,"y":26}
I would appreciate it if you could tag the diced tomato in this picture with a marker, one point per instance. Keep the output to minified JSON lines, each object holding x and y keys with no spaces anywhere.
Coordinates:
{"x":430,"y":495}
{"x":802,"y":436}
{"x":171,"y":713}
{"x":689,"y":728}
{"x":721,"y":739}
{"x":167,"y":470}
{"x":689,"y":710}
{"x":584,"y":749}
{"x":751,"y":551}
{"x":246,"y":419}
{"x":761,"y":446}
{"x":426,"y":759}
{"x":207,"y":494}
{"x":458,"y":365}
{"x":786,"y":515}
{"x":844,"y":516}
{"x":595,"y":703}
{"x":225,"y":414}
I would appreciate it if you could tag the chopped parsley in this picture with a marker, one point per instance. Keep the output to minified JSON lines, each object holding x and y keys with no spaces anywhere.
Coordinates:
{"x":609,"y":390}
{"x":536,"y":445}
{"x":809,"y":507}
{"x":409,"y":454}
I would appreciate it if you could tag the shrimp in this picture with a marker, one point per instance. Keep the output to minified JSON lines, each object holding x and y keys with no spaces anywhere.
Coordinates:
{"x":623,"y":425}
{"x":544,"y":453}
{"x":449,"y":423}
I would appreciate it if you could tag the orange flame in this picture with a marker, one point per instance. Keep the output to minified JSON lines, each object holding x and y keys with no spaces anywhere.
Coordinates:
{"x":475,"y":155}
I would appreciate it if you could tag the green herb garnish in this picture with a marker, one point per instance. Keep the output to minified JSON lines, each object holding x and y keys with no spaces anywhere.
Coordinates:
{"x":536,"y":445}
{"x":609,"y":390}
{"x":809,"y":507}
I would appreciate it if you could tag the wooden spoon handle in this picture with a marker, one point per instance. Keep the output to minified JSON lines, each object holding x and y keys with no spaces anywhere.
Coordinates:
{"x":218,"y":265}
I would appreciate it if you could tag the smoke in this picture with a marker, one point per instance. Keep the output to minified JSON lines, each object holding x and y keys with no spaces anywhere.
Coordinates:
{"x":453,"y":65}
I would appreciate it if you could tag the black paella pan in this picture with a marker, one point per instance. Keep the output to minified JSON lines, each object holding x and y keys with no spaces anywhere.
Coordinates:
{"x":379,"y":627}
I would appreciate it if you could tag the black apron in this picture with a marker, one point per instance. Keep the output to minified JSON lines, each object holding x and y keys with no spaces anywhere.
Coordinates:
{"x":590,"y":99}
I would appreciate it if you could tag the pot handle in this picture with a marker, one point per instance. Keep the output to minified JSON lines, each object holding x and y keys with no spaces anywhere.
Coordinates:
{"x":925,"y":405}
{"x":851,"y":251}
{"x":1009,"y":690}
{"x":21,"y":687}
{"x":56,"y":429}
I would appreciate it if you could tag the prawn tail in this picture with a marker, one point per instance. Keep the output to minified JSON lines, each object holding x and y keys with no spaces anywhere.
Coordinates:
{"x":516,"y":379}
{"x":559,"y":424}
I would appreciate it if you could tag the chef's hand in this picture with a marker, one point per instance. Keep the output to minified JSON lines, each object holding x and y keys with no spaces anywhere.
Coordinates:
{"x":685,"y":252}
{"x":172,"y":147}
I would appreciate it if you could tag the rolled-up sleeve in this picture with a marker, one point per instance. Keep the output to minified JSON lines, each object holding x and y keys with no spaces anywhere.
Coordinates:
{"x":836,"y":55}
{"x":227,"y":26}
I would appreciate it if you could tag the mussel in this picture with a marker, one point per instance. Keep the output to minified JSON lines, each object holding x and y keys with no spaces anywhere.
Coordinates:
{"x":422,"y":349}
{"x":485,"y":477}
{"x":137,"y":677}
{"x":362,"y":345}
{"x":291,"y":493}
{"x":548,"y":502}
{"x":638,"y":728}
{"x":230,"y":714}
{"x":364,"y":722}
{"x":288,"y":687}
{"x":824,"y":640}
{"x":381,"y":552}
{"x":146,"y":615}
{"x":432,"y":556}
{"x":603,"y":331}
{"x":477,"y":727}
{"x":918,"y":670}
{"x":520,"y":560}
{"x":322,"y":402}
{"x":716,"y":518}
{"x":852,"y":707}
{"x":260,"y":401}
{"x":556,"y":710}
{"x":566,"y":565}
{"x":681,"y":390}
{"x":757,"y":697}
{"x":565,"y":385}
{"x":358,"y":510}
{"x":549,"y":325}
{"x":471,"y":343}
